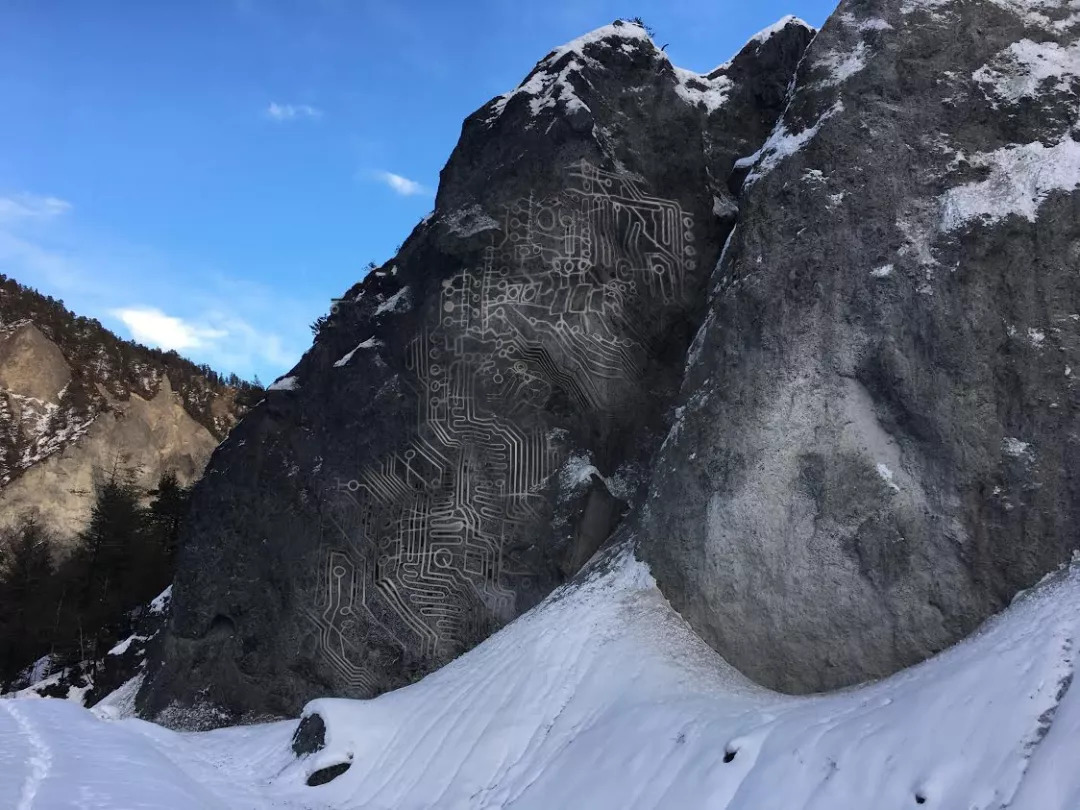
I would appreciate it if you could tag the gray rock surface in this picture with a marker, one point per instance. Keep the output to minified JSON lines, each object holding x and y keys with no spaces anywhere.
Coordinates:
{"x":876,"y":440}
{"x":476,"y":415}
{"x":878,"y":443}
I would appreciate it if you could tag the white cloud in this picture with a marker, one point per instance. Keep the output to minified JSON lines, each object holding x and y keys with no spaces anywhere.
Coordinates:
{"x":24,"y":219}
{"x":289,"y":112}
{"x":154,"y":328}
{"x":403,"y":185}
{"x":217,"y":335}
{"x":31,"y":206}
{"x":221,"y":319}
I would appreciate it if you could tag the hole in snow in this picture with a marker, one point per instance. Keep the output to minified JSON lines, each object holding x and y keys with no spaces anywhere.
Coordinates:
{"x":729,"y":755}
{"x":920,"y":798}
{"x":324,"y":775}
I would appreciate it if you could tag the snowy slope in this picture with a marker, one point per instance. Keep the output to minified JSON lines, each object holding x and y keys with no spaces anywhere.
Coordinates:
{"x":603,"y":698}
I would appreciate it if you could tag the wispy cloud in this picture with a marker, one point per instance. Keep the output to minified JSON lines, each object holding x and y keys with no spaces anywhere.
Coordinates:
{"x":153,"y":327}
{"x":220,"y":335}
{"x":403,"y":185}
{"x":31,"y":206}
{"x":290,"y":112}
{"x":230,"y":323}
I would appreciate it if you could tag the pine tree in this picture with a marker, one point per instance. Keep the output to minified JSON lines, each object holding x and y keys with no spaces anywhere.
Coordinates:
{"x":167,"y":511}
{"x":24,"y":597}
{"x":111,"y":557}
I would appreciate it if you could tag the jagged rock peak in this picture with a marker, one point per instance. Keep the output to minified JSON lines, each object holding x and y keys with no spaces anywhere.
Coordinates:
{"x":765,"y":34}
{"x":551,"y":82}
{"x":557,"y":82}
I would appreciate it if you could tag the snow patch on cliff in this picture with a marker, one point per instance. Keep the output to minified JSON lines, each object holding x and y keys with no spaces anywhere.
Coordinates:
{"x":782,"y":144}
{"x":284,"y":384}
{"x":777,"y":27}
{"x":842,"y":66}
{"x":699,"y":90}
{"x":1021,"y":177}
{"x":1025,"y":68}
{"x":122,"y":647}
{"x":370,"y":343}
{"x":160,"y":603}
{"x":1011,"y":446}
{"x":398,"y":302}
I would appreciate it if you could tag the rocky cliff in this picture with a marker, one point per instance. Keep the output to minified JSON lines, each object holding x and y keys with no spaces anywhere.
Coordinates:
{"x":879,"y":440}
{"x":867,"y":393}
{"x":476,"y":416}
{"x":76,"y":400}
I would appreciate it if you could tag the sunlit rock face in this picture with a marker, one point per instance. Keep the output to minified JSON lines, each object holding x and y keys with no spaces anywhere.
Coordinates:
{"x":478,"y":415}
{"x":77,"y":402}
{"x":152,"y":436}
{"x":879,"y":437}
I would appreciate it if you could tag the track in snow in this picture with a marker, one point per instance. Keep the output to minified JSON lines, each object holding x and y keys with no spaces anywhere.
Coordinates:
{"x":40,"y":759}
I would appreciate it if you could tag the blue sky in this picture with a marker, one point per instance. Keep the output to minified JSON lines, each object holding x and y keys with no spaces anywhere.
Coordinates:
{"x":206,"y":175}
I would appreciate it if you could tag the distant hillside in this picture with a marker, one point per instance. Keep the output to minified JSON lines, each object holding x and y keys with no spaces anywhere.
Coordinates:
{"x":74,"y":398}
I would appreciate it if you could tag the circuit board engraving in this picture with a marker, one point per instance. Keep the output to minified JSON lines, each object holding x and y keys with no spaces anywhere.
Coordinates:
{"x":424,"y":548}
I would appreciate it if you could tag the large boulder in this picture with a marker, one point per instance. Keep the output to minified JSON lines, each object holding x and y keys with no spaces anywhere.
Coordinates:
{"x":879,"y":441}
{"x":31,"y":365}
{"x":475,"y":417}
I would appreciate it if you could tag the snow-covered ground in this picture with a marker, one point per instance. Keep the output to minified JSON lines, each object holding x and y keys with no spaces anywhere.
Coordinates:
{"x":602,"y":697}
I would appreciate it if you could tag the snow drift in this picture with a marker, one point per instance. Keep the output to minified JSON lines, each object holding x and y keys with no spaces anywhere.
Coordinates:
{"x":602,"y":697}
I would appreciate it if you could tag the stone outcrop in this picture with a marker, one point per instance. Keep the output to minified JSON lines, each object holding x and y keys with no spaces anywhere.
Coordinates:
{"x":879,"y":440}
{"x":76,"y":401}
{"x":477,"y":415}
{"x":152,"y":436}
{"x":32,"y":366}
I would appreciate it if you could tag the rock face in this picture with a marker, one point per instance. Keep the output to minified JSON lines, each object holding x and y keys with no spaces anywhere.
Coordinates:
{"x":875,"y":444}
{"x":879,"y":442}
{"x":75,"y":400}
{"x":475,"y":417}
{"x":155,"y":436}
{"x":31,"y":365}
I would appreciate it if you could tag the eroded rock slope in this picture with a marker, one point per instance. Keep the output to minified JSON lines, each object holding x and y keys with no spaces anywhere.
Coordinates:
{"x":76,"y":402}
